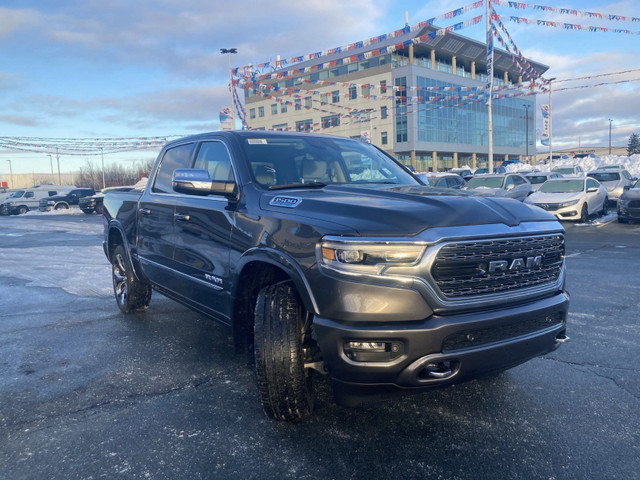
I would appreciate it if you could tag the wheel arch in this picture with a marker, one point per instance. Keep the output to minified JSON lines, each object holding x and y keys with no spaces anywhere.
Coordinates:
{"x":116,"y":236}
{"x":256,"y":269}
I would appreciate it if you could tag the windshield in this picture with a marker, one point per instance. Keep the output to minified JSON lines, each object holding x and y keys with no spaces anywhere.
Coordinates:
{"x":283,"y":161}
{"x":17,"y":194}
{"x":564,"y":170}
{"x":637,"y":184}
{"x":605,"y":176}
{"x":486,"y":182}
{"x":562,"y":186}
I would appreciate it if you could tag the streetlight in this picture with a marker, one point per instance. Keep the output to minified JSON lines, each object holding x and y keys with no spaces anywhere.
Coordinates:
{"x":229,"y":51}
{"x":610,"y":122}
{"x":527,"y":106}
{"x":51,"y":163}
{"x":102,"y":155}
{"x":10,"y":173}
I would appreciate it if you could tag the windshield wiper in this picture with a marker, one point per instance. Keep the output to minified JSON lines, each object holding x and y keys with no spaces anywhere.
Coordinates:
{"x":298,"y":185}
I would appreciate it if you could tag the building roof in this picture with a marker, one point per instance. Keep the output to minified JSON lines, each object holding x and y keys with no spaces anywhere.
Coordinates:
{"x":466,"y":50}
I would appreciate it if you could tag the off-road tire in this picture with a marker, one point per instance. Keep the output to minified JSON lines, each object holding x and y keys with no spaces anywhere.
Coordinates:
{"x":285,"y":386}
{"x":132,"y":295}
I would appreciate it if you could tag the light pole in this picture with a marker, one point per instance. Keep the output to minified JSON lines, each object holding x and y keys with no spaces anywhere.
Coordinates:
{"x":610,"y":122}
{"x":102,"y":155}
{"x":527,"y":106}
{"x":58,"y":160}
{"x":51,"y":163}
{"x":229,"y":51}
{"x":10,"y":173}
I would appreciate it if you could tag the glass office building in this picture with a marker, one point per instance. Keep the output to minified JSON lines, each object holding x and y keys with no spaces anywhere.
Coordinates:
{"x":425,"y":104}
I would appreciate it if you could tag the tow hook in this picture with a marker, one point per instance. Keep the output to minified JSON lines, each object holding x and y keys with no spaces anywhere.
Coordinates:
{"x":562,"y":338}
{"x":317,"y":366}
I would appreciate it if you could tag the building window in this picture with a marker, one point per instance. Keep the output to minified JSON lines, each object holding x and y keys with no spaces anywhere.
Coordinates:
{"x":335,"y":96}
{"x":261,"y":111}
{"x":298,"y":104}
{"x":383,"y":86}
{"x":331,"y":121}
{"x":353,"y":92}
{"x":324,"y":99}
{"x":252,"y":113}
{"x":283,"y":107}
{"x":366,"y":90}
{"x":307,"y":102}
{"x":383,"y":112}
{"x":383,"y":138}
{"x":274,"y":109}
{"x":303,"y":126}
{"x":401,"y":109}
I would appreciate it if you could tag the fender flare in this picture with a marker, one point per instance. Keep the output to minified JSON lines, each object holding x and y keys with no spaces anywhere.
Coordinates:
{"x":283,"y":261}
{"x":108,"y":248}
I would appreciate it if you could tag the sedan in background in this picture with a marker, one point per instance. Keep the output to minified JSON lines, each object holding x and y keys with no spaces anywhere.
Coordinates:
{"x":445,"y":180}
{"x":571,"y":198}
{"x":613,"y":179}
{"x":465,"y":173}
{"x":629,"y":204}
{"x":538,"y":178}
{"x":569,"y":170}
{"x":510,"y":185}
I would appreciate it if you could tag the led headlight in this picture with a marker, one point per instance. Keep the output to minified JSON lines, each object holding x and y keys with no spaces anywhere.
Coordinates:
{"x":368,"y":256}
{"x":568,"y":204}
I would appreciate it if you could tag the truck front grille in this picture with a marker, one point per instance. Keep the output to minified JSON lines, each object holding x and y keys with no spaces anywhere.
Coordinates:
{"x":485,"y":267}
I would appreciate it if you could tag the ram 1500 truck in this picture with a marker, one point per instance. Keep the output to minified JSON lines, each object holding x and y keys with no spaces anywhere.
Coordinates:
{"x":325,"y":254}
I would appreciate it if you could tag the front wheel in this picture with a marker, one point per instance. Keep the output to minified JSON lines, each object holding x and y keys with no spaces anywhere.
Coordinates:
{"x":584,"y":213}
{"x":286,"y":387}
{"x":62,"y":206}
{"x":132,"y":295}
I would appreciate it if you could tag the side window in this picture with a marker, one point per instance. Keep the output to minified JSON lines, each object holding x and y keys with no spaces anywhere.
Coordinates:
{"x":626,"y":175}
{"x":214,"y":157}
{"x":517,"y":180}
{"x":509,"y":181}
{"x":28,"y":195}
{"x":591,"y":183}
{"x":177,"y":157}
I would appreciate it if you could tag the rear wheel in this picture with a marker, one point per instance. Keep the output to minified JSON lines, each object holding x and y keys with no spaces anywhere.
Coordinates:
{"x":286,"y":387}
{"x":584,"y":213}
{"x":62,"y":206}
{"x":132,"y":295}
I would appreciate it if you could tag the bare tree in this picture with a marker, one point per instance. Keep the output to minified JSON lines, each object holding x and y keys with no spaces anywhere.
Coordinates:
{"x":115,"y":174}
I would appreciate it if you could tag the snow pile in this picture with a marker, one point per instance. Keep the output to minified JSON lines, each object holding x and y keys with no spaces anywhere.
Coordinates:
{"x":630,"y":164}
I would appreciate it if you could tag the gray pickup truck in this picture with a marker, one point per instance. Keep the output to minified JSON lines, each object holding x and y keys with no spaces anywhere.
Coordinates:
{"x":325,"y":255}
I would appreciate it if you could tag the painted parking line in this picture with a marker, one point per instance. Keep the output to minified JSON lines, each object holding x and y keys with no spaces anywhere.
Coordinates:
{"x":607,"y":223}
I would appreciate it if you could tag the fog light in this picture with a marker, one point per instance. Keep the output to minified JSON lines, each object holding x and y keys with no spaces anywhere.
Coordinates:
{"x":372,"y":351}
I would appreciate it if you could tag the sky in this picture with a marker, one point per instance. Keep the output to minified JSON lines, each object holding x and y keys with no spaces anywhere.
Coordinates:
{"x":119,"y":69}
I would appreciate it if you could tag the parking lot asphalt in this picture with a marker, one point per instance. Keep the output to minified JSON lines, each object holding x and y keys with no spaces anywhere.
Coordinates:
{"x":87,"y":393}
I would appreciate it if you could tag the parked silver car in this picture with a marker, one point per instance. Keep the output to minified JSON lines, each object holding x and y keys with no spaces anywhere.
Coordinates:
{"x":614,"y":180}
{"x":538,"y":178}
{"x":510,"y":185}
{"x":445,"y":180}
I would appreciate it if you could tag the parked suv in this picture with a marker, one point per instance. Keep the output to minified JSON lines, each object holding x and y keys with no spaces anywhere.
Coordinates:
{"x":65,"y":199}
{"x":614,"y":180}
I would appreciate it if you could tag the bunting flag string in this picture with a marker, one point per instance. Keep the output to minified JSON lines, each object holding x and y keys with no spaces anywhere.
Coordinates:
{"x":569,"y":26}
{"x":565,"y":11}
{"x":364,"y":43}
{"x":519,"y":59}
{"x":83,"y":146}
{"x":375,"y":52}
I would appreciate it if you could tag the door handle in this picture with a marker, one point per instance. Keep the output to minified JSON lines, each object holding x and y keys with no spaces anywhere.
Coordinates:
{"x":182,"y":217}
{"x":144,"y":211}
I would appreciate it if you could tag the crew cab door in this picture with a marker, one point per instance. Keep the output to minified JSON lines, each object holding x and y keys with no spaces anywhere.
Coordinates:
{"x":202,"y":243}
{"x":156,"y":220}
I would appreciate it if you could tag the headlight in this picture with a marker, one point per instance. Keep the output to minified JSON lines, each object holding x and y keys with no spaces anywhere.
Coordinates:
{"x":51,"y":202}
{"x":368,"y":257}
{"x":568,"y":204}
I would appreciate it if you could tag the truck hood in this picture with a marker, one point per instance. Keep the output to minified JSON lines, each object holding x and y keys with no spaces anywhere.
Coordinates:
{"x":398,"y":210}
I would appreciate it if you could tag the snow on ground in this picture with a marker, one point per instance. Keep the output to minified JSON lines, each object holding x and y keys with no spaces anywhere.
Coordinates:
{"x":82,"y":271}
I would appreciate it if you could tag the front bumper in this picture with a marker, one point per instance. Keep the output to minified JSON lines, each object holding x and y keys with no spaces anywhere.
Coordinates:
{"x":440,"y":350}
{"x":47,"y":208}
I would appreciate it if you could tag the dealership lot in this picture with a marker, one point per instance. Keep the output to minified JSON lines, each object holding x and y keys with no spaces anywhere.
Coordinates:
{"x":86,"y":392}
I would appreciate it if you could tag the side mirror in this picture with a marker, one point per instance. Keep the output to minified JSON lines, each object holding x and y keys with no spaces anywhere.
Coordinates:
{"x":195,"y":181}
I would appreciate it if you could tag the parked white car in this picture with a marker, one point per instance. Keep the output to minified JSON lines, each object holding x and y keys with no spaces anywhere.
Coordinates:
{"x":569,"y":170}
{"x":571,"y":198}
{"x":510,"y":185}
